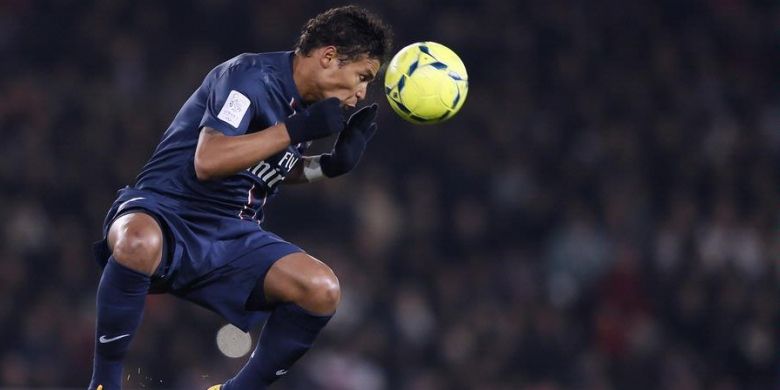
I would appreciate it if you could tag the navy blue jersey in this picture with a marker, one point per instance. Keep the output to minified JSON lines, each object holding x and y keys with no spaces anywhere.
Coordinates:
{"x":248,"y":93}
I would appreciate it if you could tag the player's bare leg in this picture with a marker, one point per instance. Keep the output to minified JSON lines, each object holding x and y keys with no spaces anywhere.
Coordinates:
{"x":135,"y":240}
{"x":301,"y":279}
{"x":304,"y":294}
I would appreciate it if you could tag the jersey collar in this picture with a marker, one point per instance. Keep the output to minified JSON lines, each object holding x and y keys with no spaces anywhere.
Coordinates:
{"x":289,"y":83}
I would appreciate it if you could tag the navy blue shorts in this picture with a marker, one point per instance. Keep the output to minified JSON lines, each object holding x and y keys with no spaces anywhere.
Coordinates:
{"x":212,"y":260}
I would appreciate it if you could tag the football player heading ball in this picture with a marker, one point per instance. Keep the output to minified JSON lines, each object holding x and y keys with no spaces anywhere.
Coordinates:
{"x":190,"y":224}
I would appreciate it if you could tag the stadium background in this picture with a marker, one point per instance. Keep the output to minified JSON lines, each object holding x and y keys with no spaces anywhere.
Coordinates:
{"x":603,"y":213}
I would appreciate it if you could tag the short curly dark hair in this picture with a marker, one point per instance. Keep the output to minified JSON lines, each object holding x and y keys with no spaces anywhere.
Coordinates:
{"x":353,"y":30}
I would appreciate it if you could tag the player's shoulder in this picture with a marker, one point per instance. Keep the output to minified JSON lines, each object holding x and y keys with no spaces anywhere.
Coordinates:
{"x":264,"y":67}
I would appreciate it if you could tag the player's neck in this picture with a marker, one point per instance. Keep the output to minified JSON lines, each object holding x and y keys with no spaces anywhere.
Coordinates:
{"x":303,"y":72}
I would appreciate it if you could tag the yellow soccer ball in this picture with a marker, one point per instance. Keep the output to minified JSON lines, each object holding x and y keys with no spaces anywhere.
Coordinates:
{"x":426,"y":83}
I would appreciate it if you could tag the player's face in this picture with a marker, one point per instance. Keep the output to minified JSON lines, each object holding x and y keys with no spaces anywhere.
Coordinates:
{"x":348,"y":80}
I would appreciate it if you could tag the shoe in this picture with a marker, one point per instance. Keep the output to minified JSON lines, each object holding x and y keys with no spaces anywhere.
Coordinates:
{"x":215,"y":387}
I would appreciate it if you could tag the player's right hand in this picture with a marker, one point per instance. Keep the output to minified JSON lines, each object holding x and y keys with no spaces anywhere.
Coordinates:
{"x":320,"y":120}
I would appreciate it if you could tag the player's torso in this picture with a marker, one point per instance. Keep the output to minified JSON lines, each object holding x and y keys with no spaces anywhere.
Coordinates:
{"x":171,"y":171}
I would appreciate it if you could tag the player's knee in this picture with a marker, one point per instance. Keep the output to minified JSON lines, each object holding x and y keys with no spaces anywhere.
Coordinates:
{"x":139,"y":249}
{"x":323,"y":293}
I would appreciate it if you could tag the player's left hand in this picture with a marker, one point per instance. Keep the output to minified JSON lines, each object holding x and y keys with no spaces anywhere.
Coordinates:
{"x":351,"y":143}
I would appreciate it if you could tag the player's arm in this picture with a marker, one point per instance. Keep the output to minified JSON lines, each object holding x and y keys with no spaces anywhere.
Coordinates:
{"x":224,"y":147}
{"x":346,"y":152}
{"x":219,"y":155}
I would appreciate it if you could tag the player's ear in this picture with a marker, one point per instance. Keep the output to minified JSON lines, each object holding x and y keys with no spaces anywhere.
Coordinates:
{"x":328,"y":54}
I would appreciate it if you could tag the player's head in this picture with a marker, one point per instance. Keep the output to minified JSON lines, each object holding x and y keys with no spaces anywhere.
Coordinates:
{"x":346,"y":47}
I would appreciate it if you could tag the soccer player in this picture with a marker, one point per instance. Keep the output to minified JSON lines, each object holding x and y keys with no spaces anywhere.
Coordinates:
{"x":190,"y":225}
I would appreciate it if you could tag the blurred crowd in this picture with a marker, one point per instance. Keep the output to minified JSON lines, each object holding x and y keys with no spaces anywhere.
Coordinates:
{"x":603,"y":213}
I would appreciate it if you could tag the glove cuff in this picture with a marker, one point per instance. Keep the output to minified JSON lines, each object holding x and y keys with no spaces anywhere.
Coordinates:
{"x":295,"y":127}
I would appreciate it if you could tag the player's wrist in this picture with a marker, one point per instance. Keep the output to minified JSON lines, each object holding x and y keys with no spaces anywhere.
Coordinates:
{"x":294,"y":129}
{"x":283,"y":133}
{"x":312,"y":169}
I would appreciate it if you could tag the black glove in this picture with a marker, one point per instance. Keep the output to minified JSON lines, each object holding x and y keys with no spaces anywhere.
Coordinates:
{"x":320,"y":120}
{"x":351,"y":143}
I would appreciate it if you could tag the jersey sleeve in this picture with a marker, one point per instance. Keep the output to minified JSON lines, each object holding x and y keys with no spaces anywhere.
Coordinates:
{"x":233,"y":101}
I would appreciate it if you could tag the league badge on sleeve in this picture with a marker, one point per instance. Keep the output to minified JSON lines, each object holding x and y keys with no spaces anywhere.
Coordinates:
{"x":234,"y":109}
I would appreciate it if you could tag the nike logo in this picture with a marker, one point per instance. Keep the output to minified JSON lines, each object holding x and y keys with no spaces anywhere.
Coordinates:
{"x":103,"y":339}
{"x":281,"y":372}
